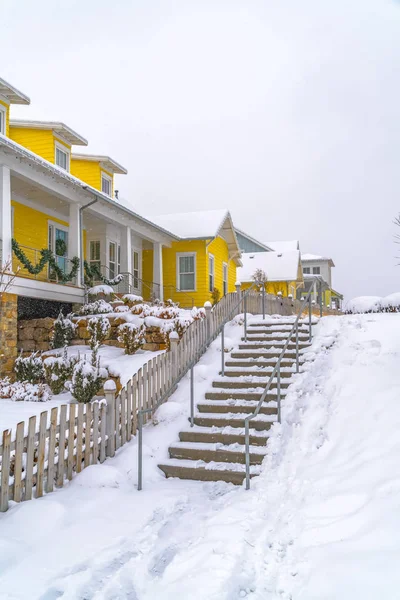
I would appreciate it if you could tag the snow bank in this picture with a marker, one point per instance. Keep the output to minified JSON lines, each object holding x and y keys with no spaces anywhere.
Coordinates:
{"x":371,"y":304}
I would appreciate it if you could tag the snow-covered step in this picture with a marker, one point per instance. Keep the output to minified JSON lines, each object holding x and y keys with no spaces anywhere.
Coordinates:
{"x":259,"y":334}
{"x":261,"y":363}
{"x":238,"y":406}
{"x":277,"y":344}
{"x":261,"y":352}
{"x":203,"y":471}
{"x":276,"y":328}
{"x":242,"y":394}
{"x":234,"y":420}
{"x":258,"y":372}
{"x":208,"y":452}
{"x":224,"y":435}
{"x":247,"y":383}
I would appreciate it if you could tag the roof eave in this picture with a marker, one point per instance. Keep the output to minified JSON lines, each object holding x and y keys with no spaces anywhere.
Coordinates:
{"x":13,"y":95}
{"x":58,"y":128}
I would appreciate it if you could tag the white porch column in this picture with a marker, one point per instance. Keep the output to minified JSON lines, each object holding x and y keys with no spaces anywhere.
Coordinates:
{"x":74,"y":238}
{"x":158,"y":271}
{"x":5,"y":215}
{"x":315,"y":290}
{"x":126,"y":257}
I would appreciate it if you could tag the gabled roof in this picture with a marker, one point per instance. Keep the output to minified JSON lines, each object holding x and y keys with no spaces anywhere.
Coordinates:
{"x":105,"y":161}
{"x":13,"y":95}
{"x":253,"y":240}
{"x":278,"y":266}
{"x":58,"y":128}
{"x":316,"y":258}
{"x":202,"y":225}
{"x":284,"y":246}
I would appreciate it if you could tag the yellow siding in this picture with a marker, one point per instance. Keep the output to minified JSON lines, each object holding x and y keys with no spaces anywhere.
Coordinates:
{"x":39,"y":141}
{"x":231,"y":276}
{"x":328,"y":297}
{"x":219,"y":249}
{"x":272,"y":287}
{"x":7,"y":107}
{"x":200,"y":295}
{"x":147,"y":273}
{"x":90,"y":172}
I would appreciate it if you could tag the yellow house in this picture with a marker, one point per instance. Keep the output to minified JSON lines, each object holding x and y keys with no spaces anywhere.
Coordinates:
{"x":202,"y":265}
{"x":282,"y":270}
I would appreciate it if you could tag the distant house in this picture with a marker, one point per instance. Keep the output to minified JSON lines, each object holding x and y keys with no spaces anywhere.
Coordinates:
{"x":282,"y":269}
{"x":318,"y":269}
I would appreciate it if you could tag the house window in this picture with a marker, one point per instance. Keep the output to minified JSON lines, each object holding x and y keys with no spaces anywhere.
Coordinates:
{"x":112,"y":259}
{"x":135,"y":269}
{"x":119,"y":259}
{"x":2,"y":120}
{"x":186,"y":268}
{"x":94,"y":254}
{"x":211,"y":277}
{"x":62,"y":157}
{"x":58,"y":244}
{"x":316,"y":270}
{"x":106,"y":185}
{"x":306,"y":270}
{"x":224,"y":279}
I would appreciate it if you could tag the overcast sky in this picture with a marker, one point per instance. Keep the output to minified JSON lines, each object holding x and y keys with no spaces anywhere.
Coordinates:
{"x":285,"y":112}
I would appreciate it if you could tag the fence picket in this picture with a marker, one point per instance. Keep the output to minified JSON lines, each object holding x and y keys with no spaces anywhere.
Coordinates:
{"x":79,"y":440}
{"x":40,"y":455}
{"x":29,"y":458}
{"x":144,"y":391}
{"x":71,"y":440}
{"x":135,"y":404}
{"x":19,"y":450}
{"x":95,"y":445}
{"x":129,"y":411}
{"x":5,"y":470}
{"x":103,"y":440}
{"x":123,"y":415}
{"x":88,"y":427}
{"x":61,"y":446}
{"x":117,"y":421}
{"x":52,"y":450}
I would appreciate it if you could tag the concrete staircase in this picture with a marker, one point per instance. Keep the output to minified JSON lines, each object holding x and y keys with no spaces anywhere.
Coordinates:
{"x":213,"y":449}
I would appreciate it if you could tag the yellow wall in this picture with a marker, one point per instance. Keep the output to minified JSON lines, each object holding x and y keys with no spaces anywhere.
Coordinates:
{"x":273,"y":287}
{"x":39,"y":141}
{"x":90,"y":172}
{"x":219,"y":249}
{"x":200,"y":295}
{"x":31,"y":230}
{"x":147,"y":273}
{"x":7,"y":107}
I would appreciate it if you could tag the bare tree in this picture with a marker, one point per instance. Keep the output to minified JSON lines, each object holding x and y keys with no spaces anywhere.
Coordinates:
{"x":260,"y":277}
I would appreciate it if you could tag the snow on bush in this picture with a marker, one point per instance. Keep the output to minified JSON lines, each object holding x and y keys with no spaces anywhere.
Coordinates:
{"x":29,"y":368}
{"x":97,"y":307}
{"x":86,"y":381}
{"x":132,"y":336}
{"x":101,"y":289}
{"x":63,"y":331}
{"x":374,"y":304}
{"x":58,"y":370}
{"x":99,"y":329}
{"x":131,"y":299}
{"x":23,"y":391}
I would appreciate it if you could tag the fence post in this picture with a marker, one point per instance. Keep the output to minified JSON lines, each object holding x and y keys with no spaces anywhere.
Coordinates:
{"x":208,"y":306}
{"x":239,"y":293}
{"x":263,"y":300}
{"x":109,"y":392}
{"x":174,"y":341}
{"x":320,"y":299}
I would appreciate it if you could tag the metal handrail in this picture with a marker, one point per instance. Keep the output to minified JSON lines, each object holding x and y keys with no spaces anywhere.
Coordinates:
{"x":277,"y":371}
{"x":199,"y":352}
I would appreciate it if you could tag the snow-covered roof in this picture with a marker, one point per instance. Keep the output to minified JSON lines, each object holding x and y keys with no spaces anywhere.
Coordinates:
{"x":57,"y":127}
{"x":106,"y":162}
{"x":203,"y":224}
{"x":316,"y":258}
{"x":278,"y":266}
{"x":13,"y":95}
{"x":284,"y":246}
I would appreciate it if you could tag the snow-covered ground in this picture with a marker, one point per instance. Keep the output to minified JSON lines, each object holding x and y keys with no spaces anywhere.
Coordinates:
{"x":118,"y":364}
{"x":321,"y":522}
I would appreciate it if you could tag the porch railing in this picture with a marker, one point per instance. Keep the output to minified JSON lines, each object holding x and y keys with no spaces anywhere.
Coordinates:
{"x":47,"y":274}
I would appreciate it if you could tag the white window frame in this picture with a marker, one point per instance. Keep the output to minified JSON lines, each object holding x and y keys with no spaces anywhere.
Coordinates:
{"x":110,"y":181}
{"x":136,"y":273}
{"x":115,"y":261}
{"x":224,"y":279}
{"x":3,"y":115}
{"x":319,"y":270}
{"x":66,"y":151}
{"x":95,"y":261}
{"x":178,"y":274}
{"x":307,"y":270}
{"x":211,"y":260}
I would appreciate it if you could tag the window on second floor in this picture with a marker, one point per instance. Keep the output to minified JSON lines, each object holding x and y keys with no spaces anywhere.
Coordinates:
{"x":316,"y":270}
{"x":306,"y":270}
{"x":106,"y":185}
{"x":2,"y":120}
{"x":210,"y":272}
{"x":62,"y":157}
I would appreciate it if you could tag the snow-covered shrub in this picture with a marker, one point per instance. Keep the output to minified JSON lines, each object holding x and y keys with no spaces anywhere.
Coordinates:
{"x":29,"y":368}
{"x":132,"y":336}
{"x":86,"y":381}
{"x":101,"y":289}
{"x":99,"y":329}
{"x":97,"y":307}
{"x":63,"y":331}
{"x":215,"y":296}
{"x":58,"y":370}
{"x":23,"y":391}
{"x":131,"y":299}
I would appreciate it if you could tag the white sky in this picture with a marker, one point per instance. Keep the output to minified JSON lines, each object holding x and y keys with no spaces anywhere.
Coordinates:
{"x":285,"y":112}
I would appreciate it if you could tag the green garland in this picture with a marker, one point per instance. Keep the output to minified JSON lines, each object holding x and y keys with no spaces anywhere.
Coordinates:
{"x":46,"y":257}
{"x":92,"y":274}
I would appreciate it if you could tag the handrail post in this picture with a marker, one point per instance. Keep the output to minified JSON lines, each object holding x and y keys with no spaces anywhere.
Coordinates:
{"x":320,"y":299}
{"x":174,"y":341}
{"x":208,"y":306}
{"x":238,"y":286}
{"x":297,"y":347}
{"x":309,"y":317}
{"x":278,"y":385}
{"x":191,"y":396}
{"x":140,"y":449}
{"x":223,"y":351}
{"x":263,"y":300}
{"x":247,"y":444}
{"x":245,"y":318}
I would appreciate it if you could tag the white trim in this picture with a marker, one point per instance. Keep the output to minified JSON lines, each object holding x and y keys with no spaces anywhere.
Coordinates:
{"x":33,"y":288}
{"x":212,"y":257}
{"x":48,"y":212}
{"x":225,"y":265}
{"x":4,"y":99}
{"x":3,"y":111}
{"x":115,"y":262}
{"x":62,"y":148}
{"x":178,"y":256}
{"x":106,"y":177}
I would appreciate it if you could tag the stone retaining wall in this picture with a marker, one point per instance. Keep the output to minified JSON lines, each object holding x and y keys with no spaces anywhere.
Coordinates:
{"x":8,"y":333}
